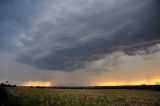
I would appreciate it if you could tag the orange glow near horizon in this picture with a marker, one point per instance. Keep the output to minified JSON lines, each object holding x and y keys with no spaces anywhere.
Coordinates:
{"x":37,"y":83}
{"x":137,"y":82}
{"x":99,"y":83}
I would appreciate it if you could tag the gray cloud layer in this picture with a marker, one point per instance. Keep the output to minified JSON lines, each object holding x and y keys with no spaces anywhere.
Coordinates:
{"x":67,"y":35}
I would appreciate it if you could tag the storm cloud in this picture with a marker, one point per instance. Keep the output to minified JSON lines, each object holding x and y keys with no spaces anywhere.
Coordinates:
{"x":70,"y":34}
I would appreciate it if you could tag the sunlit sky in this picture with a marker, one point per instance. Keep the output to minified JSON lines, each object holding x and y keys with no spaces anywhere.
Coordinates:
{"x":79,"y":42}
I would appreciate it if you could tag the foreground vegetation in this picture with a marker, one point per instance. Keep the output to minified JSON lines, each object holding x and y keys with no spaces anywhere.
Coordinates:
{"x":74,"y":97}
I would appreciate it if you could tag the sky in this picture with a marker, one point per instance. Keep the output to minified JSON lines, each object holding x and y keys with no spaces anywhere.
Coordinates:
{"x":79,"y":42}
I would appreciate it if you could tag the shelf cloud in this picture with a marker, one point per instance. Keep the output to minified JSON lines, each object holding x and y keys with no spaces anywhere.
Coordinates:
{"x":70,"y":35}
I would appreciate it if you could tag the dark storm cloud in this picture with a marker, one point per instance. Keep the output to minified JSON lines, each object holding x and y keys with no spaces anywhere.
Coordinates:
{"x":67,"y":35}
{"x":16,"y":17}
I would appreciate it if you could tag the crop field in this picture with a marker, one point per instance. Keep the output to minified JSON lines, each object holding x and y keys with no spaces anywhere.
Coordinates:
{"x":82,"y":97}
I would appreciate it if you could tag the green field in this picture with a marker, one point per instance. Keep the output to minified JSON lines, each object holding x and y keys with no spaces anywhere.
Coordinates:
{"x":75,"y":97}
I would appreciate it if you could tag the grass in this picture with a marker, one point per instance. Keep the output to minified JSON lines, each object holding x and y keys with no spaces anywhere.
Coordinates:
{"x":75,"y":97}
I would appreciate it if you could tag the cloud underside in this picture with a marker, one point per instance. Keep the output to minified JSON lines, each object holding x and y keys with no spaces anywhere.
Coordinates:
{"x":69,"y":35}
{"x":72,"y":59}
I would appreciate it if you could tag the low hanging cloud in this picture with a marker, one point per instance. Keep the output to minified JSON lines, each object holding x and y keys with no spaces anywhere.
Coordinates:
{"x":69,"y":35}
{"x":117,"y":68}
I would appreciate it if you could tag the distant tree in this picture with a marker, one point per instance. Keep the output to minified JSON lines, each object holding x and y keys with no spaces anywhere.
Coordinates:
{"x":3,"y":96}
{"x":14,"y":85}
{"x":7,"y":82}
{"x":157,"y":83}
